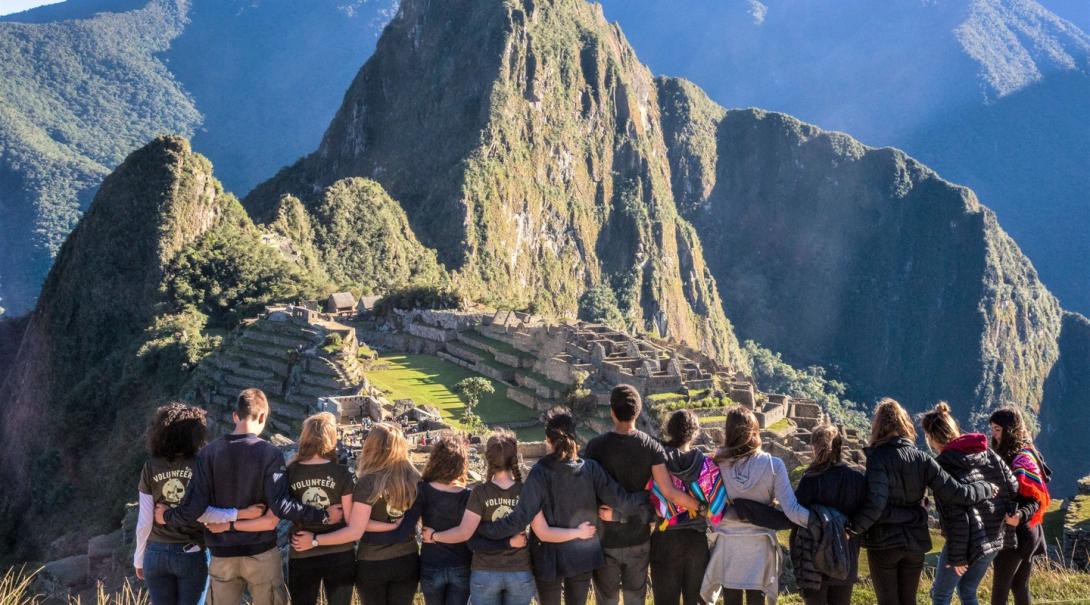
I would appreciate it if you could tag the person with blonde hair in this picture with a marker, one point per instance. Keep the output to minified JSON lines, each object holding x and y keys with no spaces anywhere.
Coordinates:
{"x":745,"y":560}
{"x":974,"y":534}
{"x":387,"y":572}
{"x":317,"y":479}
{"x":898,"y":476}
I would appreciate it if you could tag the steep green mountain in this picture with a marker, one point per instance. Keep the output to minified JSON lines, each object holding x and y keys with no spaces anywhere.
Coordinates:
{"x":992,"y":94}
{"x":84,"y":82}
{"x":524,"y":142}
{"x":162,"y":261}
{"x":864,"y":260}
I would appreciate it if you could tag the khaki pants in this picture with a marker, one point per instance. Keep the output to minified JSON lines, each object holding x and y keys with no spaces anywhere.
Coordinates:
{"x":262,"y":575}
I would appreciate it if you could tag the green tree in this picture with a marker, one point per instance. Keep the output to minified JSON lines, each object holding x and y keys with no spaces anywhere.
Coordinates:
{"x":471,"y":389}
{"x":599,"y":305}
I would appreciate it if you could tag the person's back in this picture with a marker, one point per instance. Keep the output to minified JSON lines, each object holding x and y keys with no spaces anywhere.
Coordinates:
{"x":234,"y":472}
{"x":762,"y":478}
{"x":628,"y":459}
{"x":977,"y":530}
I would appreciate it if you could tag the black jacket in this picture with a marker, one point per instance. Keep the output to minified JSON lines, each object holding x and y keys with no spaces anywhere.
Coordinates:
{"x":898,"y":475}
{"x":843,"y":488}
{"x":977,"y":530}
{"x":568,"y":492}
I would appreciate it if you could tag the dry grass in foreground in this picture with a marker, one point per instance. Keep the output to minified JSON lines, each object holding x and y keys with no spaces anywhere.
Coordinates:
{"x":1054,"y":586}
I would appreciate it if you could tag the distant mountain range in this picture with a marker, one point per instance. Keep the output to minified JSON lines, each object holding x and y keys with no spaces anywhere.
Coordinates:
{"x":994,"y":94}
{"x":85,"y":82}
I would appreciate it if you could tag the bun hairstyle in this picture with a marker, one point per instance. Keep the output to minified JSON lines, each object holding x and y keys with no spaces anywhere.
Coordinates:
{"x":828,"y":445}
{"x":1015,"y":434}
{"x":501,"y":453}
{"x":939,"y":424}
{"x":682,"y":427}
{"x":741,"y":435}
{"x":560,"y":431}
{"x":318,"y":438}
{"x":891,"y":421}
{"x":448,"y":461}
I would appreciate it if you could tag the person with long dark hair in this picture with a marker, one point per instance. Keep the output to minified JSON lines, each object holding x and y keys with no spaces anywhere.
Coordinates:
{"x":898,"y":476}
{"x":974,"y":534}
{"x":679,"y":553}
{"x":828,"y":481}
{"x":1024,"y":534}
{"x":567,"y":490}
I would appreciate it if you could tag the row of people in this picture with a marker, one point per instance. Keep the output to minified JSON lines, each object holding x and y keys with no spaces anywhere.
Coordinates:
{"x":589,"y":513}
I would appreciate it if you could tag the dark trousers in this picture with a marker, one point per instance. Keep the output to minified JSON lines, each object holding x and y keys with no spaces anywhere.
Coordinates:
{"x":678,"y":560}
{"x":1011,"y":574}
{"x":733,"y":596}
{"x":574,"y":589}
{"x":896,"y":575}
{"x":389,"y":582}
{"x":173,"y":576}
{"x":307,"y":574}
{"x":829,"y":595}
{"x":624,"y":571}
{"x":444,"y":585}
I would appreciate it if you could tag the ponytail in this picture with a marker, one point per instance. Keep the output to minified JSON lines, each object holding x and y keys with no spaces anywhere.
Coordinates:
{"x":828,"y":445}
{"x":560,"y":431}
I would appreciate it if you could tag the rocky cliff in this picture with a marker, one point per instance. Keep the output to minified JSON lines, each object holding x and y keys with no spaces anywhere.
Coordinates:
{"x":1065,"y":413}
{"x":524,"y":141}
{"x":865,"y":260}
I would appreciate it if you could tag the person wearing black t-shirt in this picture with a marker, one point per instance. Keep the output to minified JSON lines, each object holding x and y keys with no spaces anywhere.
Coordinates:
{"x":631,"y":457}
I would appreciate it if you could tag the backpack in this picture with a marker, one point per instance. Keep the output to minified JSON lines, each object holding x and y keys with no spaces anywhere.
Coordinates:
{"x":708,"y":488}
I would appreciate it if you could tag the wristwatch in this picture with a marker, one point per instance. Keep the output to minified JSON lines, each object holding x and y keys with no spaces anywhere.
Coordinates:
{"x":314,"y":541}
{"x":325,"y":519}
{"x":231,"y":526}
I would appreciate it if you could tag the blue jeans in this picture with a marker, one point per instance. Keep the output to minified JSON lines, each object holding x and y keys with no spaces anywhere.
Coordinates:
{"x":947,"y":580}
{"x":444,"y":585}
{"x":173,"y":576}
{"x":501,"y":587}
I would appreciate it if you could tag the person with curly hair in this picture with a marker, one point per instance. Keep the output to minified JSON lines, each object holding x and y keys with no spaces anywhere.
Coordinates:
{"x":172,"y":561}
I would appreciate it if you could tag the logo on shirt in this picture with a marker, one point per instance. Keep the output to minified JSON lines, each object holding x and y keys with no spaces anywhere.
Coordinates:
{"x":500,"y":512}
{"x":173,"y":492}
{"x":316,"y":497}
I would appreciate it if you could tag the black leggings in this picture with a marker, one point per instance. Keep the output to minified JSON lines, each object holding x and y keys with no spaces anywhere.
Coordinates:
{"x":829,"y":595}
{"x":574,"y":589}
{"x":306,"y":575}
{"x":389,"y":582}
{"x":896,"y":575}
{"x":733,"y":596}
{"x":678,"y":560}
{"x":1011,"y":574}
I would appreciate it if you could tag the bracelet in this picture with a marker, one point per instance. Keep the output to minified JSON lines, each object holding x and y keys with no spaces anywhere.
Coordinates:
{"x":231,"y":526}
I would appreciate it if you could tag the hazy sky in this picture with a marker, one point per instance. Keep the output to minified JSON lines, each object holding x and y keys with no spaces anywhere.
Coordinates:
{"x":14,"y":6}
